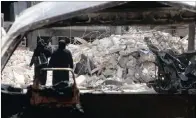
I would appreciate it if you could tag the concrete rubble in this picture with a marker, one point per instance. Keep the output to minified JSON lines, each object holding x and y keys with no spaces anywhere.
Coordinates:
{"x":117,"y":62}
{"x":17,"y":72}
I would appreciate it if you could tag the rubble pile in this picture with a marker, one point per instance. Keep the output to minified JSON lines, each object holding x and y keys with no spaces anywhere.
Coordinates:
{"x":17,"y":71}
{"x":107,"y":64}
{"x":125,"y":58}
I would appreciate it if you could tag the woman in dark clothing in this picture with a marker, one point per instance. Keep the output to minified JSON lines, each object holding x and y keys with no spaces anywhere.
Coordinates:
{"x":40,"y":60}
{"x":61,"y":58}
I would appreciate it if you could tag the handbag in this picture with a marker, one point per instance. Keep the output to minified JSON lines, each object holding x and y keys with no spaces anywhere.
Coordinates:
{"x":42,"y":60}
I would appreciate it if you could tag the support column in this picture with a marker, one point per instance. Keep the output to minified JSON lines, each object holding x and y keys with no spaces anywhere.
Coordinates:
{"x":2,"y":19}
{"x":173,"y":31}
{"x":191,"y":40}
{"x":118,"y":30}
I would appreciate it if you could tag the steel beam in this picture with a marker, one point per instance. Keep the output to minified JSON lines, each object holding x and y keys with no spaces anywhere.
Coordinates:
{"x":191,"y":40}
{"x":153,"y":16}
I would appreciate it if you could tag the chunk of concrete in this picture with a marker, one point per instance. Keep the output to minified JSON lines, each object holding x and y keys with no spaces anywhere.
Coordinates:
{"x":81,"y":79}
{"x":123,"y":61}
{"x":84,"y":66}
{"x":112,"y":82}
{"x":119,"y":72}
{"x":108,"y":72}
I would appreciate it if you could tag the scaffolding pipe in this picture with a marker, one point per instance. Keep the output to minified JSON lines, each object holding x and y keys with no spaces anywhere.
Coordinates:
{"x":191,"y":39}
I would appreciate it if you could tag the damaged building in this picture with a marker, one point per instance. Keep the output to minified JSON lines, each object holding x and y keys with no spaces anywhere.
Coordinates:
{"x":114,"y":55}
{"x":114,"y":71}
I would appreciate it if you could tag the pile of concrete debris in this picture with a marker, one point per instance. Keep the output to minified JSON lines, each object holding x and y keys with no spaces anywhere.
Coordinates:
{"x":123,"y":58}
{"x":110,"y":63}
{"x":17,"y":72}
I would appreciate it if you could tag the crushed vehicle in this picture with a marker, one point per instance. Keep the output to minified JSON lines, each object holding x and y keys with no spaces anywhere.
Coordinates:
{"x":106,"y":104}
{"x":176,"y":72}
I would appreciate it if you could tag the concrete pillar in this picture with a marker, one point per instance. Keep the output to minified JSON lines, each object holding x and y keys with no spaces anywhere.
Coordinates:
{"x":191,"y":40}
{"x":112,"y":30}
{"x":173,"y":31}
{"x":118,"y":30}
{"x":126,"y":28}
{"x":16,"y":8}
{"x":2,"y":19}
{"x":29,"y":4}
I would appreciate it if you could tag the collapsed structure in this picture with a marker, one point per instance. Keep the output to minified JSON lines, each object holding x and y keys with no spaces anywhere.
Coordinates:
{"x":98,"y":104}
{"x":111,"y":63}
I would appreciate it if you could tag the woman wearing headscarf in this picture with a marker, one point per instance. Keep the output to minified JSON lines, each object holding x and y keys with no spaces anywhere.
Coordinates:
{"x":40,"y":60}
{"x":61,"y":58}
